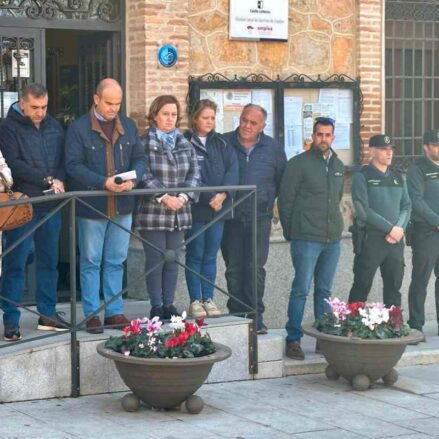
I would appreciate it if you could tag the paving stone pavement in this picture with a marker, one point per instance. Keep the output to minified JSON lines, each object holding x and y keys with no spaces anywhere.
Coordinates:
{"x":306,"y":407}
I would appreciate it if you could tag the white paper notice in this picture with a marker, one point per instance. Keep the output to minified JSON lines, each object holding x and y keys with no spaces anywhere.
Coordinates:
{"x":217,"y":97}
{"x":293,"y":110}
{"x":236,"y":99}
{"x":236,"y":122}
{"x":9,"y":97}
{"x":293,"y":140}
{"x":342,"y":136}
{"x":345,"y":106}
{"x":264,"y":98}
{"x":329,"y":96}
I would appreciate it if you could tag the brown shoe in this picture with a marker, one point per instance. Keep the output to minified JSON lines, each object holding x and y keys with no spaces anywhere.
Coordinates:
{"x":118,"y":321}
{"x":294,"y":351}
{"x":94,"y":326}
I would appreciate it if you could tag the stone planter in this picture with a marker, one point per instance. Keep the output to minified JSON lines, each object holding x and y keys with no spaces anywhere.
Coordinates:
{"x":164,"y":383}
{"x":362,"y":361}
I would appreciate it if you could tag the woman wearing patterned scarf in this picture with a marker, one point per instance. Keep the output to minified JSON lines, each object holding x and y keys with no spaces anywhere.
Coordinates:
{"x":162,"y":218}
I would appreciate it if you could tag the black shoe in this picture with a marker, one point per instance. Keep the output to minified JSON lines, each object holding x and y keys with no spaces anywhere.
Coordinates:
{"x":169,"y":311}
{"x":156,"y":311}
{"x":12,"y":333}
{"x":53,"y":323}
{"x":294,"y":351}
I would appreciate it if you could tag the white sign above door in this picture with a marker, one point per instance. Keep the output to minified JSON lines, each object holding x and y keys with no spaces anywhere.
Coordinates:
{"x":260,"y":20}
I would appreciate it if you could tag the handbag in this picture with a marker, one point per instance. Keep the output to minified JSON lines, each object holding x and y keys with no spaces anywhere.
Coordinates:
{"x":12,"y":217}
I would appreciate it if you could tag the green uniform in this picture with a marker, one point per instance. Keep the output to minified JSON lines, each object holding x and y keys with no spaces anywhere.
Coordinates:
{"x":423,"y":187}
{"x":381,"y":201}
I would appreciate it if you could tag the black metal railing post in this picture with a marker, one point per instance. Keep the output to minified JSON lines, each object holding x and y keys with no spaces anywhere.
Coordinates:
{"x":253,"y":338}
{"x":74,"y":343}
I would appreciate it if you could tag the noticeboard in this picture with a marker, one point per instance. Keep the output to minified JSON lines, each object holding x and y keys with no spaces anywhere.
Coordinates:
{"x":292,"y":106}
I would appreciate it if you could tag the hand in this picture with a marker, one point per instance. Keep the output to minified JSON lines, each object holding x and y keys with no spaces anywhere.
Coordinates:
{"x":216,"y":202}
{"x":58,"y":186}
{"x":172,"y":203}
{"x":390,"y":240}
{"x":397,"y":233}
{"x":111,"y":186}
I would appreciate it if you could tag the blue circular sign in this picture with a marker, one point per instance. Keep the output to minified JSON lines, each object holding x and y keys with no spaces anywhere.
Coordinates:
{"x":167,"y":56}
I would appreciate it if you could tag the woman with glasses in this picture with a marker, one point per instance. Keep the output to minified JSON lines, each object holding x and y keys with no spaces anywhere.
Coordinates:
{"x":218,"y":167}
{"x":162,"y":218}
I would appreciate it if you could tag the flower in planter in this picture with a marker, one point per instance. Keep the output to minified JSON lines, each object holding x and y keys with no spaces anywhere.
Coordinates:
{"x":362,"y":320}
{"x":146,"y":338}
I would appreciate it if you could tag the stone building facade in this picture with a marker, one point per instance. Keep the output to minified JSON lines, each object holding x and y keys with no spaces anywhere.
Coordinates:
{"x":325,"y":37}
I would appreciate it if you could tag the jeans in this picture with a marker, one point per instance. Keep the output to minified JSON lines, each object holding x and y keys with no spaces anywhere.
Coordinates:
{"x":104,"y":245}
{"x":46,"y":240}
{"x":201,"y":256}
{"x":161,"y":282}
{"x":310,"y":259}
{"x":236,"y":247}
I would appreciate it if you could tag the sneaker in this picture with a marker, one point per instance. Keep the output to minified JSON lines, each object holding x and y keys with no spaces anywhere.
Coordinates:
{"x":262,"y":329}
{"x":94,"y":325}
{"x":169,"y":311}
{"x":117,"y":321}
{"x":211,"y":309}
{"x":294,"y":351}
{"x":12,"y":333}
{"x":156,"y":311}
{"x":196,"y":310}
{"x":53,"y":323}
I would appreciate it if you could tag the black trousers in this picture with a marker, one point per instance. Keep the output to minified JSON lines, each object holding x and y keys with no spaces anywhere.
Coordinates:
{"x":236,"y":247}
{"x":377,"y":252}
{"x":425,"y":257}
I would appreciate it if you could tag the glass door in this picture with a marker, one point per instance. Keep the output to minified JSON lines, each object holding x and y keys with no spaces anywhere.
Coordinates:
{"x":21,"y":63}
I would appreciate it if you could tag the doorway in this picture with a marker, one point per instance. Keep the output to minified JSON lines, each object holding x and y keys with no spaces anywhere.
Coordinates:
{"x":75,"y":63}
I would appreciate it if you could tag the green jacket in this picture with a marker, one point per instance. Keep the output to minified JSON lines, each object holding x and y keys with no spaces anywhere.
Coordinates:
{"x":380,"y":199}
{"x":423,"y":187}
{"x":309,"y":199}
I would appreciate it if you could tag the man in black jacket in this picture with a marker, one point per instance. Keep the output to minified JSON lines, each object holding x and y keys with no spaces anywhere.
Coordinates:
{"x":32,"y":143}
{"x":423,"y":188}
{"x":309,"y":209}
{"x":382,"y":206}
{"x":261,"y":163}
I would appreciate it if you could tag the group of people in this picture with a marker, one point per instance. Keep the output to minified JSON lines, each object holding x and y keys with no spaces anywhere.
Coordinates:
{"x":103,"y":150}
{"x":387,"y":209}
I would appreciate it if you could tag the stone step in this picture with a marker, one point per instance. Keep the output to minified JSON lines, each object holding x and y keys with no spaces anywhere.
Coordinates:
{"x":41,"y":369}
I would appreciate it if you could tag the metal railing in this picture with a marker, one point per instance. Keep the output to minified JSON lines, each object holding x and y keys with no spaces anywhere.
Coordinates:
{"x":70,"y":199}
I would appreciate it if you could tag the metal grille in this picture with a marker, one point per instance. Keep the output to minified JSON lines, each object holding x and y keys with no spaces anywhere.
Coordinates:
{"x":16,"y":67}
{"x":105,"y":10}
{"x":412,"y":72}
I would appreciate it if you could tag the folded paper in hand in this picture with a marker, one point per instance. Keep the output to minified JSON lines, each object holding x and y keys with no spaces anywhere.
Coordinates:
{"x":130,"y":175}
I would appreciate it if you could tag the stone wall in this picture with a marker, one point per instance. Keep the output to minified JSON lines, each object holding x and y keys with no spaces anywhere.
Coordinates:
{"x":149,"y":25}
{"x":321,"y":41}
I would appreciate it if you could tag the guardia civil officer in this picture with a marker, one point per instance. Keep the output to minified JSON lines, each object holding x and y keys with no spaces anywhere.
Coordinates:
{"x":382,"y":207}
{"x":423,"y":187}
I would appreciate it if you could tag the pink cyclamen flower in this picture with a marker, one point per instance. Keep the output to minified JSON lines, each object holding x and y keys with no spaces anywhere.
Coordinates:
{"x":154,"y":324}
{"x":126,"y":352}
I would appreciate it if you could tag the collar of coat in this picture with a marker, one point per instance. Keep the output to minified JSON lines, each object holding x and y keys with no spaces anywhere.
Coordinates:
{"x":95,"y":126}
{"x":154,"y":140}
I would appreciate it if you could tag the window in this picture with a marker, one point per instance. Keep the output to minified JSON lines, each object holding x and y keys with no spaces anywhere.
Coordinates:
{"x":412,"y":72}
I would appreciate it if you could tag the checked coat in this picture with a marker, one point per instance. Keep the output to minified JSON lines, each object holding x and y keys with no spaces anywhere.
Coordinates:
{"x":167,"y":168}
